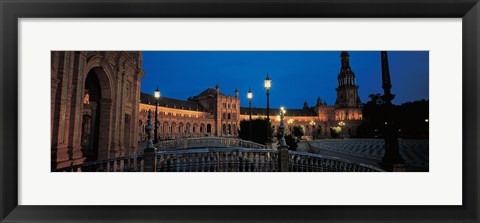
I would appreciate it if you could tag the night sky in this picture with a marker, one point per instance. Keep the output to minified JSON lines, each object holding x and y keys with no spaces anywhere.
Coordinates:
{"x":296,"y":75}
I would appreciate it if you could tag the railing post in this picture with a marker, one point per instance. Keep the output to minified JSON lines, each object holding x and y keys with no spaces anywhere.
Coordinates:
{"x":282,"y":148}
{"x":149,"y":152}
{"x":149,"y":159}
{"x":283,"y":159}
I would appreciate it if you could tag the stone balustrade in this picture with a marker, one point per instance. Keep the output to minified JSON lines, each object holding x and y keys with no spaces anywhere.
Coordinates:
{"x":207,"y":142}
{"x":216,"y":154}
{"x":132,"y":163}
{"x":217,"y":160}
{"x":310,"y":162}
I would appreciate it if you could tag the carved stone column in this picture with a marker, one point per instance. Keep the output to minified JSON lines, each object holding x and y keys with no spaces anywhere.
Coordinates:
{"x":149,"y":152}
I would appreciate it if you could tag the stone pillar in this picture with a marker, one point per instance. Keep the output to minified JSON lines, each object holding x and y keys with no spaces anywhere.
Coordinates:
{"x":283,"y":159}
{"x":149,"y":152}
{"x":282,"y":148}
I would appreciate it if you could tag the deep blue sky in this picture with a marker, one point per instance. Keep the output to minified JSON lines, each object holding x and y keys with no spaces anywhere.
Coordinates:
{"x":296,"y":75}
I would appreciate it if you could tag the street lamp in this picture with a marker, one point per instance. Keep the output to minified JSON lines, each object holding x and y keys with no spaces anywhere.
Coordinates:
{"x":392,"y":156}
{"x":250,"y":97}
{"x":157,"y":96}
{"x":312,"y":123}
{"x":341,"y":124}
{"x":268,"y":84}
{"x":282,"y":127}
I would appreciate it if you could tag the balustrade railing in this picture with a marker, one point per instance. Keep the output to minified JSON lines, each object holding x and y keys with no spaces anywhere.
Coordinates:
{"x":132,"y":163}
{"x":309,"y":162}
{"x":222,"y":160}
{"x":207,"y":142}
{"x":217,"y":160}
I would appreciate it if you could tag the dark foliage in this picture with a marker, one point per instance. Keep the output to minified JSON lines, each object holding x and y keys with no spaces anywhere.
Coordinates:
{"x":292,"y":142}
{"x":409,"y":118}
{"x":298,"y":130}
{"x":334,"y":134}
{"x":317,"y":132}
{"x":259,"y":131}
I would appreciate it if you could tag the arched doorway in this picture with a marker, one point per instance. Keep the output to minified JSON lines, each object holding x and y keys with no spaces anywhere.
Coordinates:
{"x":91,"y":117}
{"x":209,"y":128}
{"x":96,"y":115}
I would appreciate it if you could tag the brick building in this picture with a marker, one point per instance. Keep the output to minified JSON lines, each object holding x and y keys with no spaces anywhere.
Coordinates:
{"x":210,"y":113}
{"x":94,"y":105}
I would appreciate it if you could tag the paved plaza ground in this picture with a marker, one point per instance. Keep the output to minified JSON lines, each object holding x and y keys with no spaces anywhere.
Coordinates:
{"x":371,"y":151}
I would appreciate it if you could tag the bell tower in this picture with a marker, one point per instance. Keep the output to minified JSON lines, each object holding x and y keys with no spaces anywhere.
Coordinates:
{"x":347,"y":90}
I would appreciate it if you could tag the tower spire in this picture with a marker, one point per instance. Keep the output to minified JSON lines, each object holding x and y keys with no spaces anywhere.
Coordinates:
{"x":347,"y":91}
{"x":345,"y":60}
{"x":346,"y":77}
{"x":305,"y":105}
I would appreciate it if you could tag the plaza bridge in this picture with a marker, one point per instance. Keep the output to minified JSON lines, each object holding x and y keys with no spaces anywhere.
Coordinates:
{"x":219,"y":154}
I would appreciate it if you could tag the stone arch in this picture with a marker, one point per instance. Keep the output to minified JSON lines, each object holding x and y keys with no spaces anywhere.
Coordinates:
{"x":98,"y":102}
{"x":165,"y":128}
{"x":181,"y":128}
{"x":188,"y":128}
{"x":202,"y":128}
{"x":174,"y":128}
{"x":97,"y":64}
{"x":209,"y":128}
{"x":195,"y":128}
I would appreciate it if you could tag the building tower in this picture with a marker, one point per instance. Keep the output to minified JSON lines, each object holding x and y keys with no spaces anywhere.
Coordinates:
{"x":347,"y":91}
{"x":348,"y":111}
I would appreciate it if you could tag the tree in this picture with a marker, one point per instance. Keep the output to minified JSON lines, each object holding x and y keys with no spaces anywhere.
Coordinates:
{"x":298,"y":131}
{"x":408,"y":117}
{"x":317,"y":132}
{"x":335,"y":132}
{"x":292,"y":142}
{"x":259,"y":131}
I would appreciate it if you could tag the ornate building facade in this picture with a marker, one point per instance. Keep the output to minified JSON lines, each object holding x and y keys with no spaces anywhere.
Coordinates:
{"x":212,"y":113}
{"x":94,"y":105}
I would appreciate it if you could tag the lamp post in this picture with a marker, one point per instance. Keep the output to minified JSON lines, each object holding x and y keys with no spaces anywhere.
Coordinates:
{"x":341,"y":124}
{"x":392,"y":155}
{"x":282,"y":127}
{"x":157,"y":96}
{"x":250,"y":97}
{"x":268,"y":85}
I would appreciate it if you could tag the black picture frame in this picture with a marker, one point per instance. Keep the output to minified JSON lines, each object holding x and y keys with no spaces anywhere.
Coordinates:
{"x":11,"y":11}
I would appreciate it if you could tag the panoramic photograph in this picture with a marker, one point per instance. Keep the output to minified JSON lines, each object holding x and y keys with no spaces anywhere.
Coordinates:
{"x":239,"y":111}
